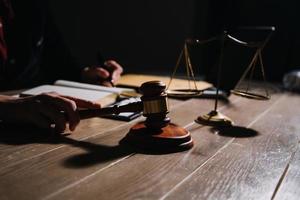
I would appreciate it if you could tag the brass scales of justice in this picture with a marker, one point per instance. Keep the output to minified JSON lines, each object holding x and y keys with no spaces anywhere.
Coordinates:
{"x":215,"y":117}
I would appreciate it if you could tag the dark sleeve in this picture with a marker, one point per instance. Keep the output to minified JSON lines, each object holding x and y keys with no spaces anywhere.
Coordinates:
{"x":57,"y":60}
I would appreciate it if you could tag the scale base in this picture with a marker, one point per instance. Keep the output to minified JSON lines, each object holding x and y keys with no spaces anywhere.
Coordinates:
{"x":168,"y":139}
{"x":214,"y":118}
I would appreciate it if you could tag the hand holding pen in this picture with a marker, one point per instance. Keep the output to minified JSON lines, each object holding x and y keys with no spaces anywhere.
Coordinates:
{"x":105,"y":73}
{"x":111,"y":73}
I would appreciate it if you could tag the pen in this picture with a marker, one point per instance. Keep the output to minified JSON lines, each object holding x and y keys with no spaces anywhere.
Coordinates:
{"x":101,"y":62}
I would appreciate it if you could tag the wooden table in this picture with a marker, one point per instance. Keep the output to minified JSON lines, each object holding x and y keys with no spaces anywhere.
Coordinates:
{"x":258,"y":159}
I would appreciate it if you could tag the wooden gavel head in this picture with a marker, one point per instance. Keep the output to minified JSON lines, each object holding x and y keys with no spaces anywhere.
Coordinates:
{"x":155,"y":104}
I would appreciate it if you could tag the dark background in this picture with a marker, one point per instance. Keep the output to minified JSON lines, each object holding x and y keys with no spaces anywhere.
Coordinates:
{"x":147,"y":36}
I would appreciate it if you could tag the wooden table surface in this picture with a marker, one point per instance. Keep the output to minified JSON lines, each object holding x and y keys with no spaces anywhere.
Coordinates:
{"x":259,"y":158}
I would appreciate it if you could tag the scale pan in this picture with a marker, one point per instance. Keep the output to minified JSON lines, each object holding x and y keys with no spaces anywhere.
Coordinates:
{"x":250,"y":95}
{"x":184,"y":93}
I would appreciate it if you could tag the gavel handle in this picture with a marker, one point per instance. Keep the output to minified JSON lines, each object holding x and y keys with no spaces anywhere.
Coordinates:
{"x":131,"y":107}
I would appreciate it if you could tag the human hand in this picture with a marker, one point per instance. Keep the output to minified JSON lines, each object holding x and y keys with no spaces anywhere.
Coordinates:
{"x":105,"y":75}
{"x":47,"y":110}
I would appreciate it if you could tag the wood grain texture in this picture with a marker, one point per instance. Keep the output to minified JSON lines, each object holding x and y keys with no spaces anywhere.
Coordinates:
{"x":288,"y":186}
{"x":152,"y":176}
{"x":69,"y":164}
{"x":18,"y":145}
{"x":248,"y":168}
{"x":258,"y":162}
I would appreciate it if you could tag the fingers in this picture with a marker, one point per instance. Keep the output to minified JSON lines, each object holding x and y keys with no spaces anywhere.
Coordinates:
{"x":94,"y":75}
{"x":34,"y":111}
{"x":50,"y":116}
{"x":40,"y":120}
{"x":67,"y":106}
{"x":101,"y":72}
{"x":46,"y":109}
{"x":110,"y":72}
{"x":115,"y":68}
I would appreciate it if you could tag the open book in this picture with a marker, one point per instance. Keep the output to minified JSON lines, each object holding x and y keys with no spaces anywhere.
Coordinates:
{"x":101,"y":94}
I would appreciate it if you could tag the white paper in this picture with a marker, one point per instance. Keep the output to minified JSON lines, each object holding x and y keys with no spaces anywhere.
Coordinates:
{"x":73,"y":84}
{"x":91,"y":95}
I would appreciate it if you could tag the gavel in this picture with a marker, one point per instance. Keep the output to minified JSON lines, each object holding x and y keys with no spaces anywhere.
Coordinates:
{"x":156,"y":133}
{"x":153,"y":104}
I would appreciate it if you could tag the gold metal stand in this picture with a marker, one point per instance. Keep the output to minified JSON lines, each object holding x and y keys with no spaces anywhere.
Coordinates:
{"x":214,"y":117}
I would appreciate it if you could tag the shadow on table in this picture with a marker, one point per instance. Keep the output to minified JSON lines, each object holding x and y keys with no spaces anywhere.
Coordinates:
{"x":235,"y":131}
{"x":94,"y":153}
